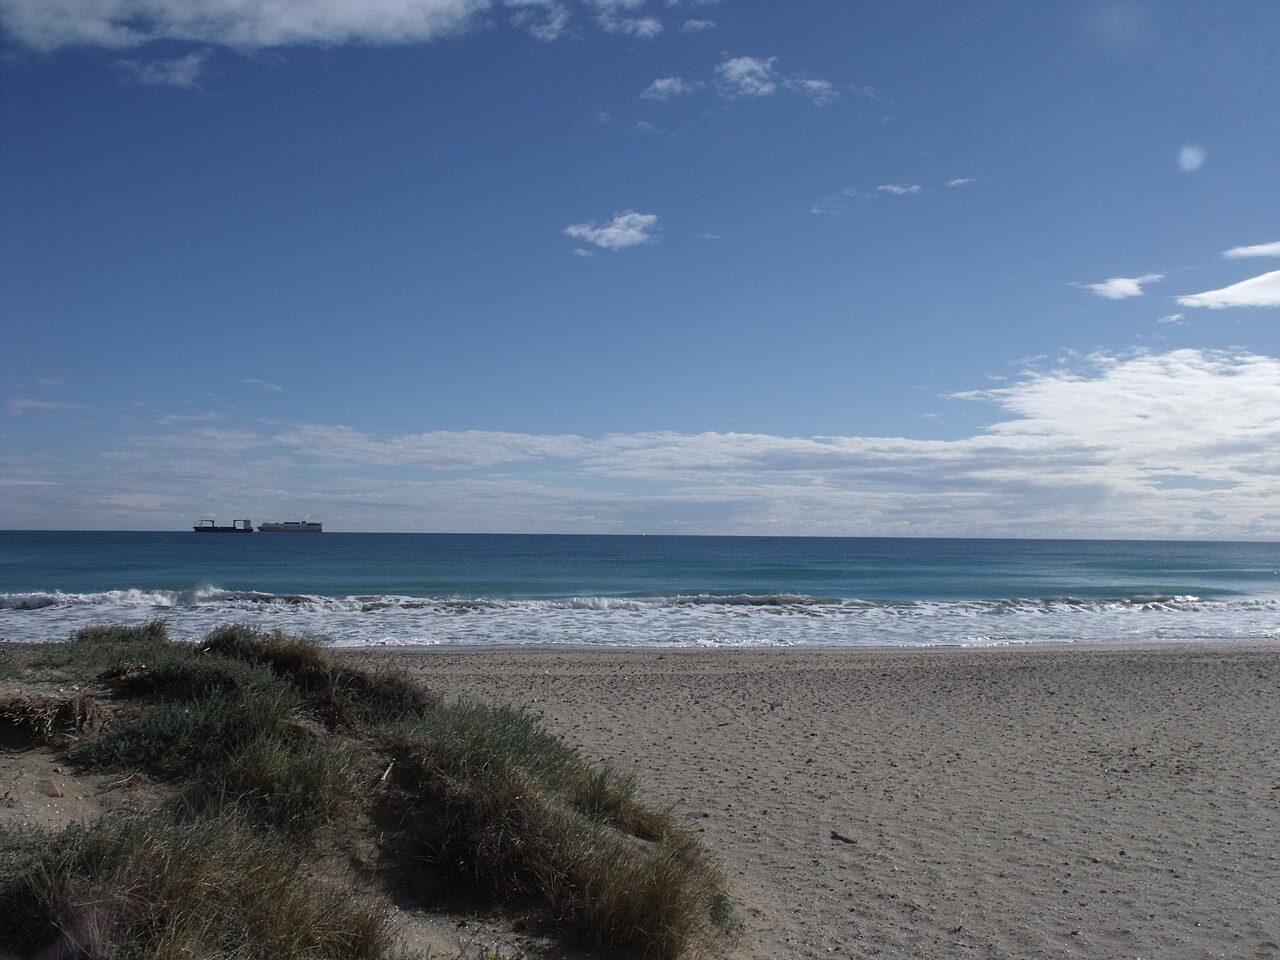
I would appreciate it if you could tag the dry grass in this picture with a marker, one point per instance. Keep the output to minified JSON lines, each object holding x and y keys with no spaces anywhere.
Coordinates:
{"x":159,"y":887}
{"x":499,"y":806}
{"x":274,"y":740}
{"x":32,"y":720}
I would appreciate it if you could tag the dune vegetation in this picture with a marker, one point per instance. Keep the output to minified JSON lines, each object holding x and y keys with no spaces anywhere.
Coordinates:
{"x":278,"y":763}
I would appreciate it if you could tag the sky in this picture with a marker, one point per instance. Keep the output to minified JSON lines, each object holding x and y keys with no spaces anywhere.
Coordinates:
{"x":822,"y":267}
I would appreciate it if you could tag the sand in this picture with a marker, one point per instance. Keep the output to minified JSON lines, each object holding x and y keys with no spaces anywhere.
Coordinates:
{"x":1051,"y":803}
{"x":1093,"y":802}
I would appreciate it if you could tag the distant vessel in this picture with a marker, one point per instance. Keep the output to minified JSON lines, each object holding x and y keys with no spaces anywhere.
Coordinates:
{"x":292,"y":526}
{"x":211,"y":526}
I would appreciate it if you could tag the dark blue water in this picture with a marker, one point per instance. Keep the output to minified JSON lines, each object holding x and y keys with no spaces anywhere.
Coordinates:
{"x":441,"y":588}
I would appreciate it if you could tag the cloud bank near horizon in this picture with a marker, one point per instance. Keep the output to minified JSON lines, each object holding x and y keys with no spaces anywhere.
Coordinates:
{"x":1179,"y":444}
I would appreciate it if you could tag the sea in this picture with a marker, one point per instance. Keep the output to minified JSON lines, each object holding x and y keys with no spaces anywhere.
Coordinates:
{"x":473,"y":590}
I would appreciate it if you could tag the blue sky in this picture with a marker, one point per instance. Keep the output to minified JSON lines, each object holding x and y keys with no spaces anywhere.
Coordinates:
{"x":642,"y":266}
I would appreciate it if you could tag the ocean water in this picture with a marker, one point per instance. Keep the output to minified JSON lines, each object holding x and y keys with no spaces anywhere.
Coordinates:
{"x":441,"y":589}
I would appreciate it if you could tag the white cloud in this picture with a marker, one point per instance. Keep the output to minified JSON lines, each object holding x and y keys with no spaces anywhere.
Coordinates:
{"x":1122,"y":288}
{"x":1173,"y":319}
{"x":901,"y":189}
{"x":546,"y":20}
{"x":611,"y":17}
{"x":836,"y":204}
{"x":1257,"y":250}
{"x":821,"y":92}
{"x":664,"y":88}
{"x":180,"y":72}
{"x":961,"y":182}
{"x":627,"y":229}
{"x":748,"y":76}
{"x":120,"y":24}
{"x":646,"y":28}
{"x":760,"y":77}
{"x":697,"y":26}
{"x":1263,"y":291}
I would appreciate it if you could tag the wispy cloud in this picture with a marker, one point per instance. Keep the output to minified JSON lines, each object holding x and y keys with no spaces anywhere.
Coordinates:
{"x":120,"y":24}
{"x":19,"y":406}
{"x":437,"y":450}
{"x":1263,"y":291}
{"x":545,"y":20}
{"x":1122,"y":288}
{"x":263,"y":385}
{"x":180,"y":72}
{"x":664,"y":88}
{"x":626,"y":229}
{"x":1173,"y":319}
{"x":613,"y":16}
{"x":739,"y":77}
{"x":1257,"y":250}
{"x":820,"y":92}
{"x":697,"y":26}
{"x":836,"y":204}
{"x":961,"y":182}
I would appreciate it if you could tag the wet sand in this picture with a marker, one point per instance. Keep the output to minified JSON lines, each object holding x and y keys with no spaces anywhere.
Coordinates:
{"x":1087,"y":802}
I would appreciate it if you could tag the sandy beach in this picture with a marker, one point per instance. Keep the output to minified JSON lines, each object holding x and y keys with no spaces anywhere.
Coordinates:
{"x":1090,"y":802}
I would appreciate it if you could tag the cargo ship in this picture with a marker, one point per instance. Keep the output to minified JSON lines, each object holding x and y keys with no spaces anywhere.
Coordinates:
{"x":211,"y":526}
{"x":292,"y":526}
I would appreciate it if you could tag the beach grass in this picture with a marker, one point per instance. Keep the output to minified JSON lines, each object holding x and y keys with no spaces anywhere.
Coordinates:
{"x":163,"y":886}
{"x":276,"y":747}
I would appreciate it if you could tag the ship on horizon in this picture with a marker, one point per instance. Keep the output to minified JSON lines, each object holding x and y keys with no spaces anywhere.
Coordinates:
{"x":211,"y":526}
{"x":292,"y":526}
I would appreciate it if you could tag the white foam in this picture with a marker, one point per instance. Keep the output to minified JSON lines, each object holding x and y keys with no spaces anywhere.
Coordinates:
{"x":701,"y":621}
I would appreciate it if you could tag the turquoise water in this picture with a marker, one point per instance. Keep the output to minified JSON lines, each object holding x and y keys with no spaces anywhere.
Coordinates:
{"x":442,"y":589}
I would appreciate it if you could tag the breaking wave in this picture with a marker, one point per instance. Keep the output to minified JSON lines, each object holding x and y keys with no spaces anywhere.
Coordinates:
{"x":694,"y":621}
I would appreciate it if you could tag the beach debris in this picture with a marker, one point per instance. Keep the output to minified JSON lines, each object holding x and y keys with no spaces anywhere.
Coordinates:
{"x":841,"y":837}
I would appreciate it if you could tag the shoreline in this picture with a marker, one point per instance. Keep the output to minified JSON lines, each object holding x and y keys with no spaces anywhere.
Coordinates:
{"x":1230,"y":643}
{"x":1054,"y":802}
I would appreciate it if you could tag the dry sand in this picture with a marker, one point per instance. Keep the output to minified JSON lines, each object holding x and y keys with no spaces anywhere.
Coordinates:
{"x":1088,"y":802}
{"x":1099,"y":802}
